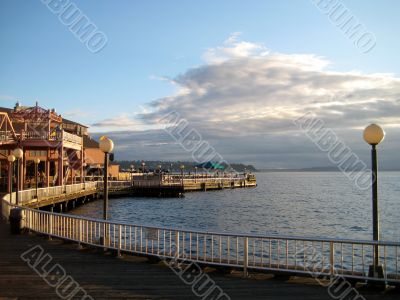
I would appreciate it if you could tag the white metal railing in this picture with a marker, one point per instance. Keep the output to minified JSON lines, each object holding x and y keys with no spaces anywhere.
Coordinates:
{"x":6,"y":135}
{"x":248,"y":252}
{"x":28,"y":196}
{"x":51,"y":136}
{"x":177,"y":180}
{"x":297,"y":255}
{"x":41,"y":135}
{"x":149,"y":183}
{"x":72,"y":138}
{"x":6,"y":205}
{"x":117,"y":184}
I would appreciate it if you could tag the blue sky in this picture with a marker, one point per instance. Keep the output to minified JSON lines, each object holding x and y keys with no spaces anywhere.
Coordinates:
{"x":40,"y":59}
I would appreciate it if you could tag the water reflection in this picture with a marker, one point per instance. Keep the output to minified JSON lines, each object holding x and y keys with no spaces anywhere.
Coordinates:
{"x":321,"y":204}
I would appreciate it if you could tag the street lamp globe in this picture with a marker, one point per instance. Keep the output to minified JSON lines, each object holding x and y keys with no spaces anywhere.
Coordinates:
{"x":37,"y":160}
{"x":11,"y":158}
{"x":374,"y":134}
{"x":106,"y":144}
{"x":182,"y":167}
{"x":18,"y":153}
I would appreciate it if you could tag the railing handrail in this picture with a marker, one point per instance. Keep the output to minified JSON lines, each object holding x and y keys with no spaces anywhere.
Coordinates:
{"x":232,"y":234}
{"x":236,"y":234}
{"x":70,"y":137}
{"x":30,"y":194}
{"x":50,"y":136}
{"x":214,"y":247}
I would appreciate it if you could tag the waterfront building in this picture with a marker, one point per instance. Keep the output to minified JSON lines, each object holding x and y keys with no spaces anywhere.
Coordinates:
{"x":64,"y":147}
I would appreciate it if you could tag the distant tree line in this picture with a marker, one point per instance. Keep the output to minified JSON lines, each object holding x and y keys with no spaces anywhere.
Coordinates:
{"x":174,"y":166}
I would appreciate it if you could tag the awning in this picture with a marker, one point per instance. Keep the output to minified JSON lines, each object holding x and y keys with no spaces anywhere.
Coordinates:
{"x":211,"y":165}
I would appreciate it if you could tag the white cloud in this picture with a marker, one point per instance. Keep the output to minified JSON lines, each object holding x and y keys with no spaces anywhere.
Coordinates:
{"x":233,"y":49}
{"x":77,"y":113}
{"x":244,"y":98}
{"x":123,"y":121}
{"x":242,"y":86}
{"x":7,"y":98}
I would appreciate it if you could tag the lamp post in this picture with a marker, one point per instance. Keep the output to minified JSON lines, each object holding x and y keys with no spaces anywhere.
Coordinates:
{"x":170,"y":172}
{"x":131,"y":169}
{"x":195,"y":174}
{"x":143,"y":166}
{"x":11,"y":159}
{"x":182,"y":167}
{"x":107,"y":146}
{"x":37,"y":162}
{"x":373,"y":135}
{"x":18,"y":153}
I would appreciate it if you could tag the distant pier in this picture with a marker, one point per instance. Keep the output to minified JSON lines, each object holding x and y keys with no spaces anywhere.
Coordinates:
{"x":175,"y":184}
{"x":65,"y":198}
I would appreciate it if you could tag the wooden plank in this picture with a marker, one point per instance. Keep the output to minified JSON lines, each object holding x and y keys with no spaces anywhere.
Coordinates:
{"x":104,"y":276}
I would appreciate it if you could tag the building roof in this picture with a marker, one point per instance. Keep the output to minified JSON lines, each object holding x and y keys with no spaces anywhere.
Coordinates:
{"x":88,"y":142}
{"x":5,"y":109}
{"x":66,"y":121}
{"x":211,"y":165}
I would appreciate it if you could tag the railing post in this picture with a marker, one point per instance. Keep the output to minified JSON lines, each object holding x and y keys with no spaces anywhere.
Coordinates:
{"x":177,"y":244}
{"x":332,"y":258}
{"x":50,"y":226}
{"x":119,"y":239}
{"x":104,"y":235}
{"x":245,"y":256}
{"x":80,"y":233}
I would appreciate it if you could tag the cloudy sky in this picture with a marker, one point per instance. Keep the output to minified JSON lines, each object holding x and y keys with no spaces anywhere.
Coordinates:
{"x":239,"y":74}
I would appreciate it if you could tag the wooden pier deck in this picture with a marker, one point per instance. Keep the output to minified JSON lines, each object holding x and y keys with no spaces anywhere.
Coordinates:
{"x":104,"y":276}
{"x":174,"y":185}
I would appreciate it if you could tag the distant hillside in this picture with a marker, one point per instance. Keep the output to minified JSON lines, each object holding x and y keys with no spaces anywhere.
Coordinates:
{"x":166,"y":165}
{"x":312,"y":169}
{"x":318,"y":169}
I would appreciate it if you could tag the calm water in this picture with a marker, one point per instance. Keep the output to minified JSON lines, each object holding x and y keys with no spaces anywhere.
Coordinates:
{"x":324,"y":204}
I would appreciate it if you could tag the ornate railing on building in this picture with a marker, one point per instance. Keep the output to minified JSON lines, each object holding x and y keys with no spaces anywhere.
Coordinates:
{"x":72,"y":138}
{"x":6,"y":135}
{"x":42,"y":136}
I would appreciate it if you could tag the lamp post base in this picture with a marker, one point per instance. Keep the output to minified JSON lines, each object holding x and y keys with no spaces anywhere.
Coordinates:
{"x":103,"y":241}
{"x":376,"y":272}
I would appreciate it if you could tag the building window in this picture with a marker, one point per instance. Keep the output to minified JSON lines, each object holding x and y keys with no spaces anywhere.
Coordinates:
{"x":35,"y":153}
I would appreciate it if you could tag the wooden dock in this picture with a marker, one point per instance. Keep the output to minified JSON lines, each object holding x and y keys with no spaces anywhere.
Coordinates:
{"x":153,"y":185}
{"x":175,"y":184}
{"x":104,"y":276}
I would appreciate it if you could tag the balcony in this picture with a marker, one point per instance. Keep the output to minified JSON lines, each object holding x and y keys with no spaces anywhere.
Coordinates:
{"x":69,"y":140}
{"x":6,"y":136}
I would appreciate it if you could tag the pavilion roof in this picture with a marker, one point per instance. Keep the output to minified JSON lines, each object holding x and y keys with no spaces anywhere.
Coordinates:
{"x":35,"y":114}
